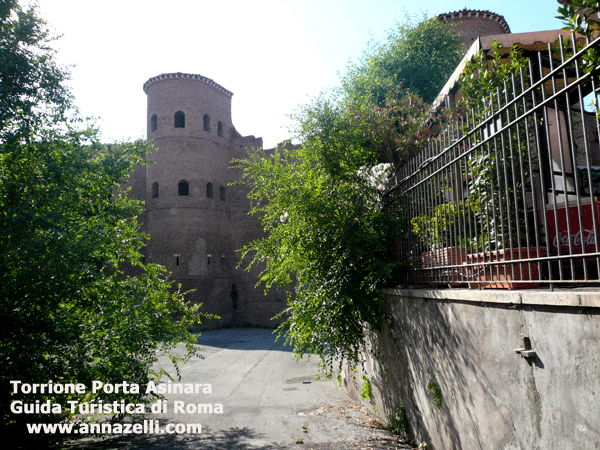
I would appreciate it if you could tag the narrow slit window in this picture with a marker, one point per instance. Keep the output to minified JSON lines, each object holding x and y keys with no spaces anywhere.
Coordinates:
{"x":155,"y":190}
{"x":220,"y":128}
{"x":153,"y":123}
{"x":206,"y":122}
{"x":222,"y":193}
{"x":183,"y":188}
{"x":179,"y":119}
{"x":209,"y":190}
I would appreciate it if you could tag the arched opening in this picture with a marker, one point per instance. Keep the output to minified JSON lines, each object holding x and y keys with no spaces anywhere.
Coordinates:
{"x":153,"y":123}
{"x":206,"y":122}
{"x":183,"y":188}
{"x":209,"y":190}
{"x":179,"y":119}
{"x":155,"y":190}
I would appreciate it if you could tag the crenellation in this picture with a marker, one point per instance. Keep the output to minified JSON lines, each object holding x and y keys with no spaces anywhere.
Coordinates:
{"x":471,"y":24}
{"x":176,"y":75}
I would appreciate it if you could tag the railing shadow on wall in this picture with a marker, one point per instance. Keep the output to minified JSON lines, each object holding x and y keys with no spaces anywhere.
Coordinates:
{"x":511,"y":200}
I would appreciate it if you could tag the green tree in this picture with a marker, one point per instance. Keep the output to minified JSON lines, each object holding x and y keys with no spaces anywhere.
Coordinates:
{"x":419,"y":56}
{"x":327,"y":237}
{"x":33,"y":97}
{"x":69,"y":311}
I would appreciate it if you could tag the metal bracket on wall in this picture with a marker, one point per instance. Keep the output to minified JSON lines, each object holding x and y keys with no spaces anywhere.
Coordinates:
{"x":526,"y":351}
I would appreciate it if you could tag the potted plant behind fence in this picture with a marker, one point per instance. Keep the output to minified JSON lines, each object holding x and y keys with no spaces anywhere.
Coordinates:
{"x":498,"y":174}
{"x":436,"y":230}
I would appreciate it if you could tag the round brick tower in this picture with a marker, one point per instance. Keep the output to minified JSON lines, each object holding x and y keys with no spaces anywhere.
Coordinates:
{"x":473,"y":23}
{"x":188,"y":208}
{"x":195,"y":218}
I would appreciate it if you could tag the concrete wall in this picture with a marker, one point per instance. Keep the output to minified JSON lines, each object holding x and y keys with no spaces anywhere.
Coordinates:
{"x":491,"y":397}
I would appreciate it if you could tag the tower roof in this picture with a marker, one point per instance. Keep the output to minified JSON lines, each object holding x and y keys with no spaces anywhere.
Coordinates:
{"x":180,"y":75}
{"x":475,"y":13}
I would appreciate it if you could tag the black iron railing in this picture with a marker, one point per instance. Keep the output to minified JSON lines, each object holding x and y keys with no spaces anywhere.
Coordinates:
{"x":509,"y":199}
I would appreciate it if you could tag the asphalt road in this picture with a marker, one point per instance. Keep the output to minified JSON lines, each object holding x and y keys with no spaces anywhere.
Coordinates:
{"x":261,"y":399}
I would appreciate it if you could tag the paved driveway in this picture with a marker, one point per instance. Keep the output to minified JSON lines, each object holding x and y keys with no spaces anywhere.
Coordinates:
{"x":269,"y":401}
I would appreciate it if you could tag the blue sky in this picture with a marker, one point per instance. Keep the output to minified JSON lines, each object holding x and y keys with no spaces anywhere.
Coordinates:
{"x":272,"y":54}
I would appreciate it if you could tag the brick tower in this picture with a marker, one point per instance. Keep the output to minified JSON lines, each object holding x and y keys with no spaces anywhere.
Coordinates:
{"x":470,"y":24}
{"x":196,"y":220}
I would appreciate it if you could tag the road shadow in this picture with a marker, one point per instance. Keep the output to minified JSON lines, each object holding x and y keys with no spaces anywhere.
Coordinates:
{"x":233,"y":438}
{"x":243,"y":339}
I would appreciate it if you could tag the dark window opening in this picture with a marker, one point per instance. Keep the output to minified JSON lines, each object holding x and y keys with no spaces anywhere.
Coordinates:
{"x":183,"y":188}
{"x":222,"y":193}
{"x":209,"y":190}
{"x":179,"y":119}
{"x":155,"y":190}
{"x":206,"y":122}
{"x":177,"y":260}
{"x":220,"y":128}
{"x":153,"y":123}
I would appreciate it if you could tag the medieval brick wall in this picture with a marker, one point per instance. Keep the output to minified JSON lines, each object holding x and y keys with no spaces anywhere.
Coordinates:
{"x":197,"y":221}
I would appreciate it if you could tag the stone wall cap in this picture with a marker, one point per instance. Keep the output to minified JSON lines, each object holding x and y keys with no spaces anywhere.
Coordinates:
{"x":191,"y":76}
{"x":574,"y":297}
{"x":474,"y":13}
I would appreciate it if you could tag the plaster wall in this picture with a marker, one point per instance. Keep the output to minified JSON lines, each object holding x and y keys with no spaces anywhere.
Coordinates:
{"x":491,"y":397}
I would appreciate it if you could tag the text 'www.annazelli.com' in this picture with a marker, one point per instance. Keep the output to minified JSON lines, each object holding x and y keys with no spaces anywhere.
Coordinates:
{"x":145,"y":427}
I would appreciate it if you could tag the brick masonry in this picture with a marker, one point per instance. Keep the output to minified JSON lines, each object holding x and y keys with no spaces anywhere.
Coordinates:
{"x":196,"y":220}
{"x":473,"y":23}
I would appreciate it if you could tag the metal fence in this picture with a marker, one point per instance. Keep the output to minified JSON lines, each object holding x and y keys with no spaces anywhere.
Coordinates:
{"x":509,"y":198}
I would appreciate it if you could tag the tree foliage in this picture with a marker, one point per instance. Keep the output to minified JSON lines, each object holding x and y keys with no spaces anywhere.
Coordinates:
{"x":420,"y":56}
{"x":69,"y":311}
{"x":326,"y":235}
{"x":581,"y":16}
{"x":33,"y":97}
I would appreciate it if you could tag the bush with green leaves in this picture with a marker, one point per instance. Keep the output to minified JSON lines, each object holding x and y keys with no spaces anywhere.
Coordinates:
{"x":327,"y":238}
{"x":325,"y":241}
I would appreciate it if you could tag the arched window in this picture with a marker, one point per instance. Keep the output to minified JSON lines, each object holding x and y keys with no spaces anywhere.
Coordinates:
{"x":220,"y":128}
{"x":183,"y":188}
{"x":179,"y":119}
{"x":155,"y":190}
{"x":209,"y":190}
{"x":222,"y":193}
{"x":153,"y":123}
{"x":206,"y":122}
